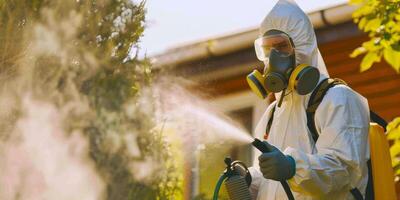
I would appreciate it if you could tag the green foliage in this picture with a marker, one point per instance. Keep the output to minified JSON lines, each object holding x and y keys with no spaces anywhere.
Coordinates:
{"x":381,"y":20}
{"x":393,"y":134}
{"x":75,"y":55}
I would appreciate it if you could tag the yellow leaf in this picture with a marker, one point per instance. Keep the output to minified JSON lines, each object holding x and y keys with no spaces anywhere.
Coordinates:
{"x":366,"y":9}
{"x":356,"y":1}
{"x":363,"y":10}
{"x":395,"y":162}
{"x":372,"y":25}
{"x":370,"y":44}
{"x":389,"y":25}
{"x":397,"y":17}
{"x":393,"y":58}
{"x":393,"y":134}
{"x":385,"y":44}
{"x":362,"y":23}
{"x":393,"y":124}
{"x":397,"y":171}
{"x":395,"y":149}
{"x":358,"y":51}
{"x":368,"y":60}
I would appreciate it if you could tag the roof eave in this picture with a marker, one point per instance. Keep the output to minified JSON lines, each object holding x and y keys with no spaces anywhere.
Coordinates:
{"x":241,"y":40}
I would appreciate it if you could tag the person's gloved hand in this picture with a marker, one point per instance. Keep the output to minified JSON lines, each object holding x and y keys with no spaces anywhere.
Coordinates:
{"x":244,"y":173}
{"x":275,"y":165}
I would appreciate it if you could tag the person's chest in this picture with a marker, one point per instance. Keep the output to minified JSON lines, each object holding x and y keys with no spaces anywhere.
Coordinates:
{"x":289,"y":128}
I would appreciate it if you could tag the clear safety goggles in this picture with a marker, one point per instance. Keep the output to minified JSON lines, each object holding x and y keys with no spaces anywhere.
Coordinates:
{"x":279,"y":42}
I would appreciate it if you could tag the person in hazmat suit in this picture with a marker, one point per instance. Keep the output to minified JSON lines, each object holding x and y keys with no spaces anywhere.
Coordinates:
{"x":337,"y":162}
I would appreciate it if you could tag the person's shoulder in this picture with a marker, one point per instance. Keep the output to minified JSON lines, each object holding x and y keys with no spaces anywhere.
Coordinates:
{"x":341,"y":90}
{"x":341,"y":95}
{"x":343,"y":100}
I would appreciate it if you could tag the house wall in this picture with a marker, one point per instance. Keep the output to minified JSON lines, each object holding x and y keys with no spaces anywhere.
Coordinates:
{"x":380,"y":85}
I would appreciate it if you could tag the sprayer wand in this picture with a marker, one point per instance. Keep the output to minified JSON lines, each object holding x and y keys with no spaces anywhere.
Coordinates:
{"x":264,"y":148}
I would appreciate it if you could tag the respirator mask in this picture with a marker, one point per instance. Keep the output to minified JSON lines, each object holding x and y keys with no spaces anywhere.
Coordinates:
{"x":276,"y":50}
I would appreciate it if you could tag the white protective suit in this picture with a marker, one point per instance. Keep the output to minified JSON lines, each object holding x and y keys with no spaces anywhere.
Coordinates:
{"x":338,"y":160}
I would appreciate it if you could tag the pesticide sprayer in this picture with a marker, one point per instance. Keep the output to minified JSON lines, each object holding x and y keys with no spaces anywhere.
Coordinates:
{"x":236,"y":184}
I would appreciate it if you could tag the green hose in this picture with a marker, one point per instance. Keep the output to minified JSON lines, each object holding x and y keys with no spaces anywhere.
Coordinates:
{"x":218,"y":186}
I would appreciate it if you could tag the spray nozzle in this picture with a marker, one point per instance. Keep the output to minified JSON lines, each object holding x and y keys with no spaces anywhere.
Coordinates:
{"x":228,"y":162}
{"x":229,"y":167}
{"x":260,"y":145}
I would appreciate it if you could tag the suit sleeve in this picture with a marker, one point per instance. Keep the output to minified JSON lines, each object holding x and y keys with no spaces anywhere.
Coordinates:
{"x":341,"y":152}
{"x":256,"y":179}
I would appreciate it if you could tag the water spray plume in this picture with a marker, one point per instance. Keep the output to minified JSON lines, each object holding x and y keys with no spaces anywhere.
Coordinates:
{"x":195,"y":119}
{"x":224,"y":129}
{"x":206,"y":135}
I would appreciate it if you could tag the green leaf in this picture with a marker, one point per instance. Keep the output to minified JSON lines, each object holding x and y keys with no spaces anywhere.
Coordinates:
{"x":358,"y":51}
{"x":368,"y":60}
{"x":393,"y":58}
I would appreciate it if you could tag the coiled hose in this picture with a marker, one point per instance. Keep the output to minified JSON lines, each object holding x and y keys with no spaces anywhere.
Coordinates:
{"x":218,"y":186}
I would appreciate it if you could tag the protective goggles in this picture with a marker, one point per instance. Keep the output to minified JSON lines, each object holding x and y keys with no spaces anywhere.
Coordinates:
{"x":279,"y":42}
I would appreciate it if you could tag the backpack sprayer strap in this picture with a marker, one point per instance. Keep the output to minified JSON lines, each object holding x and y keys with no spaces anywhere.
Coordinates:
{"x":316,"y":99}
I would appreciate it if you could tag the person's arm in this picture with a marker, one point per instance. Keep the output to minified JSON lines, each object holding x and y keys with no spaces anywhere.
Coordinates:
{"x":342,"y":119}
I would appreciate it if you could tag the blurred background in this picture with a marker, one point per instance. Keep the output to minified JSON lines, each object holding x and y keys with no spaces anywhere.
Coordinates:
{"x":174,"y":23}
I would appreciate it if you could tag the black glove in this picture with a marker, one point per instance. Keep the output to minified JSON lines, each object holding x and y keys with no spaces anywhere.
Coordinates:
{"x":275,"y":165}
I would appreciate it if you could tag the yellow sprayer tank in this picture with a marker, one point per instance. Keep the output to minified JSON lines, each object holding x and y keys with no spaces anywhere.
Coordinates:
{"x":382,"y":171}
